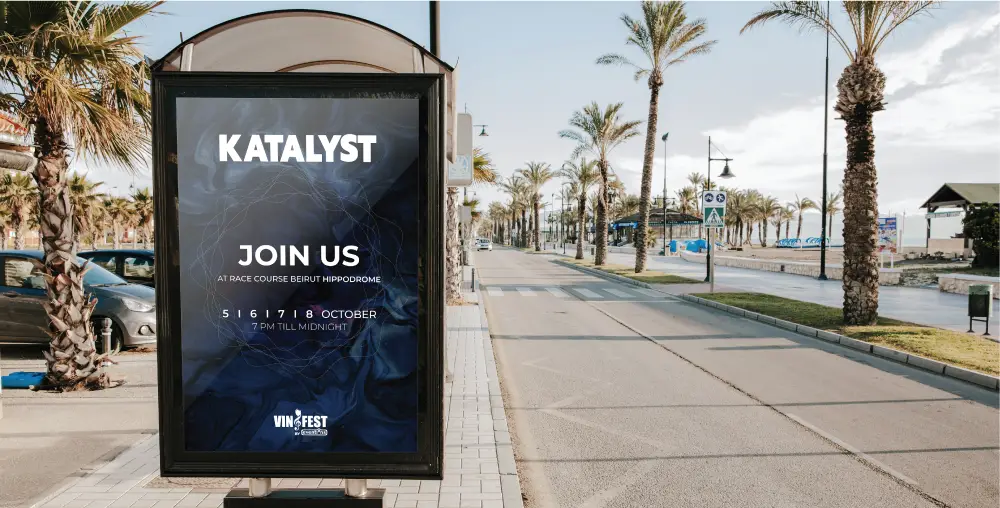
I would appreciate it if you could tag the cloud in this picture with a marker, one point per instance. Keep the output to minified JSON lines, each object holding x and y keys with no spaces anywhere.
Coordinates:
{"x":944,"y":112}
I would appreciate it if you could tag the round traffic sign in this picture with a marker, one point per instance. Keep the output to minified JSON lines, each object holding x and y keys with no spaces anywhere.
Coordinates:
{"x":721,"y":198}
{"x":709,"y":197}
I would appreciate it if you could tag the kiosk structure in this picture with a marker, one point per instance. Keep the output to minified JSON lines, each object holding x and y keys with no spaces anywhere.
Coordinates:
{"x":299,"y":159}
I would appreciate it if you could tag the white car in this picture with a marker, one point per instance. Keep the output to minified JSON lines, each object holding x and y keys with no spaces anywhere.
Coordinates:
{"x":484,"y":244}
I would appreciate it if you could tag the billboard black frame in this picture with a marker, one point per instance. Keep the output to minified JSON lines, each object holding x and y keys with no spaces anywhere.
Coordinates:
{"x":175,"y":461}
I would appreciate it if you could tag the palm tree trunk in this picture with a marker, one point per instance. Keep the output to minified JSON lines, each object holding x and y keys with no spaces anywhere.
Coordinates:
{"x":72,"y":359}
{"x":647,"y":174}
{"x":580,"y":217}
{"x":861,"y":92}
{"x":117,"y":231}
{"x":798,"y":230}
{"x":788,"y":227}
{"x":453,"y":265}
{"x":763,"y":234}
{"x":3,"y":238}
{"x":19,"y":228}
{"x":538,"y":230}
{"x":777,"y":232}
{"x":601,"y":222}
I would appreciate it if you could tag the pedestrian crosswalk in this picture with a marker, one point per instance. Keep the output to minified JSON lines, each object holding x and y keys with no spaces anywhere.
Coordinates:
{"x":585,"y":293}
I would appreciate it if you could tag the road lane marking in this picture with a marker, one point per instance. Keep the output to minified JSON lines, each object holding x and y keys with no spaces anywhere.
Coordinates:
{"x":649,"y":292}
{"x":588,"y":293}
{"x":864,"y":456}
{"x":620,"y":294}
{"x":525,"y":292}
{"x":557,"y":292}
{"x":494,"y":291}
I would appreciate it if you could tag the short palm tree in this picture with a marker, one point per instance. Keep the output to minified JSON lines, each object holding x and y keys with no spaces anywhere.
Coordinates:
{"x":787,"y":214}
{"x":20,"y":197}
{"x":142,"y":207}
{"x":800,"y":205}
{"x":861,"y":93}
{"x":119,"y":213}
{"x":666,"y":38}
{"x":69,"y":70}
{"x":87,"y":201}
{"x":598,"y":131}
{"x":832,"y":208}
{"x":767,"y":208}
{"x":582,"y":177}
{"x":537,"y":174}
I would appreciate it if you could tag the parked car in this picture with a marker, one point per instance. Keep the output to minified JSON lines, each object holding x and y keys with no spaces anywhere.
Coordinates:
{"x":484,"y":244}
{"x":133,"y":265}
{"x":22,"y":291}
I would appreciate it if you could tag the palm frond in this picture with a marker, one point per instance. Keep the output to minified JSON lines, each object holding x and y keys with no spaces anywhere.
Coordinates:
{"x":805,"y":15}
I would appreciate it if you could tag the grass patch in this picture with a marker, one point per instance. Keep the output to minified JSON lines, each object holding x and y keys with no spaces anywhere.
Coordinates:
{"x":649,"y":276}
{"x":960,"y":349}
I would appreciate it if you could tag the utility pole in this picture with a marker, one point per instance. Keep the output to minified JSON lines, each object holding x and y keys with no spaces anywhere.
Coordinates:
{"x":826,"y":129}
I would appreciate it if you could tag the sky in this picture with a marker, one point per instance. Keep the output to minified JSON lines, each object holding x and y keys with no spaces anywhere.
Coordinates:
{"x":525,"y":67}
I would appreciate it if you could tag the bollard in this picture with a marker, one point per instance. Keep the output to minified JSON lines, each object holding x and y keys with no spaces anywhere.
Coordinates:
{"x":473,"y":280}
{"x":106,"y":335}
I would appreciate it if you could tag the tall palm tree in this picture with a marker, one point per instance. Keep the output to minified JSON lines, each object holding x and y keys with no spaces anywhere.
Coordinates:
{"x":20,"y":197}
{"x":86,"y":200}
{"x":832,"y":208}
{"x":582,"y":177}
{"x":119,"y":213}
{"x":69,"y":70}
{"x":768,"y":207}
{"x":142,"y":206}
{"x":537,"y":174}
{"x":861,"y":93}
{"x":800,"y":205}
{"x":666,"y":38}
{"x":599,"y":131}
{"x":517,"y":188}
{"x":787,"y":214}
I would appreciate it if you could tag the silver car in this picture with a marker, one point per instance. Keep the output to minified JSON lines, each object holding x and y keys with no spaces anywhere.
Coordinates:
{"x":131,"y":307}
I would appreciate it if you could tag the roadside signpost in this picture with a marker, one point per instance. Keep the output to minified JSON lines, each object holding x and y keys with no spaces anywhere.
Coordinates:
{"x":714,"y":217}
{"x":887,"y":238}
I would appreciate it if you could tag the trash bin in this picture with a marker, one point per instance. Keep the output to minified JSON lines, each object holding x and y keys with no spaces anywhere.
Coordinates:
{"x":980,"y":304}
{"x":673,"y":246}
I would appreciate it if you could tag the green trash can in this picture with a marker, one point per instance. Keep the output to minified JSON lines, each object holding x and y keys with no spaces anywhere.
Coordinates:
{"x":980,"y":305}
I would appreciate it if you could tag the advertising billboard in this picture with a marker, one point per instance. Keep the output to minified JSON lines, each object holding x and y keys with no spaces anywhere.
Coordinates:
{"x":888,"y":238}
{"x":299,"y":256}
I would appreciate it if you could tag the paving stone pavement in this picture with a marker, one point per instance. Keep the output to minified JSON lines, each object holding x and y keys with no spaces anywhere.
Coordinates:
{"x":479,"y":469}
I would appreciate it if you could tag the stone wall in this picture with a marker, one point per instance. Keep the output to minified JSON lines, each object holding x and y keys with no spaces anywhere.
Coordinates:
{"x":959,"y":283}
{"x":887,"y":276}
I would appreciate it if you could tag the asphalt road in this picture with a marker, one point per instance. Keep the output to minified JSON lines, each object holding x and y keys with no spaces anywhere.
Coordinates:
{"x":627,"y":398}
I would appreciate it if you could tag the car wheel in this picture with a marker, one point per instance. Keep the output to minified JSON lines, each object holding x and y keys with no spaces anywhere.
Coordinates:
{"x":117,"y":340}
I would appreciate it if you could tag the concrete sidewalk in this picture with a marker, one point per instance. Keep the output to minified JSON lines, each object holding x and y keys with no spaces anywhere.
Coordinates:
{"x":916,"y":305}
{"x":479,"y":469}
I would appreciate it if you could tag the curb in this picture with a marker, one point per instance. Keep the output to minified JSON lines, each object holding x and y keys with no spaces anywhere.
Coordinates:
{"x":605,"y":275}
{"x":919,"y":362}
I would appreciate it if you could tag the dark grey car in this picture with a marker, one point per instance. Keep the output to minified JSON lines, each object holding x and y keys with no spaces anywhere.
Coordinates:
{"x":131,"y":307}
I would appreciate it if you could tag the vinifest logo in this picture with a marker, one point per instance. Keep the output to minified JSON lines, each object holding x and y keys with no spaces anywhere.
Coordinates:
{"x":302,"y":425}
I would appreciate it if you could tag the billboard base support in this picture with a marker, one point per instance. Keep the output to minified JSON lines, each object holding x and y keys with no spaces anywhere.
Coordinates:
{"x":304,"y":498}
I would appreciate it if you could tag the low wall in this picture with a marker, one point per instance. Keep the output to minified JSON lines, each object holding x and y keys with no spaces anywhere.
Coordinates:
{"x":959,"y":283}
{"x":887,"y":276}
{"x":949,"y":246}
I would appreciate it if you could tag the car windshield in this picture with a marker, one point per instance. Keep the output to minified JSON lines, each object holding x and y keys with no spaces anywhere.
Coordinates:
{"x":97,"y":276}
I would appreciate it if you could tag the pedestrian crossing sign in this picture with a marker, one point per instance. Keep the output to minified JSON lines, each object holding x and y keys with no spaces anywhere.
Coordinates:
{"x":714,"y":204}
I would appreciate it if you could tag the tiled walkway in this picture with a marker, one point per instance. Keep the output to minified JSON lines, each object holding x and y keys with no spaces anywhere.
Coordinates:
{"x":479,"y":460}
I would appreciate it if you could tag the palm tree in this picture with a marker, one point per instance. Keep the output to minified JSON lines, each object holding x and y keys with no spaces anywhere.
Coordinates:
{"x":861,"y":93}
{"x":801,"y":205}
{"x":69,"y":70}
{"x":832,"y":208}
{"x":665,"y":38}
{"x":483,"y":170}
{"x":4,"y":222}
{"x":537,"y":174}
{"x":767,"y":207}
{"x":20,"y":197}
{"x":787,"y":214}
{"x":119,"y":213}
{"x":517,"y":188}
{"x":86,"y":201}
{"x":142,"y":206}
{"x":582,"y":177}
{"x":598,"y":131}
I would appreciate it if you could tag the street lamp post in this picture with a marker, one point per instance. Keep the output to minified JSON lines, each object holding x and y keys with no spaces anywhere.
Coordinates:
{"x":826,"y":128}
{"x":708,"y":186}
{"x":663,"y":238}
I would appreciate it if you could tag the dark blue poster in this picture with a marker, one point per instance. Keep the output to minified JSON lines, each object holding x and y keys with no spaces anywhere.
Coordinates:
{"x":298,"y":221}
{"x":299,"y":261}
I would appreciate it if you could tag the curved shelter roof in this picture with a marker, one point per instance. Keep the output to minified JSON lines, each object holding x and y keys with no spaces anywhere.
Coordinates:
{"x":960,"y":195}
{"x":303,"y":40}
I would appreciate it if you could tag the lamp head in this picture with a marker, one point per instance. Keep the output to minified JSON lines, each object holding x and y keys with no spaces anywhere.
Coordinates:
{"x":664,"y":138}
{"x":726,"y":173}
{"x":483,"y":132}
